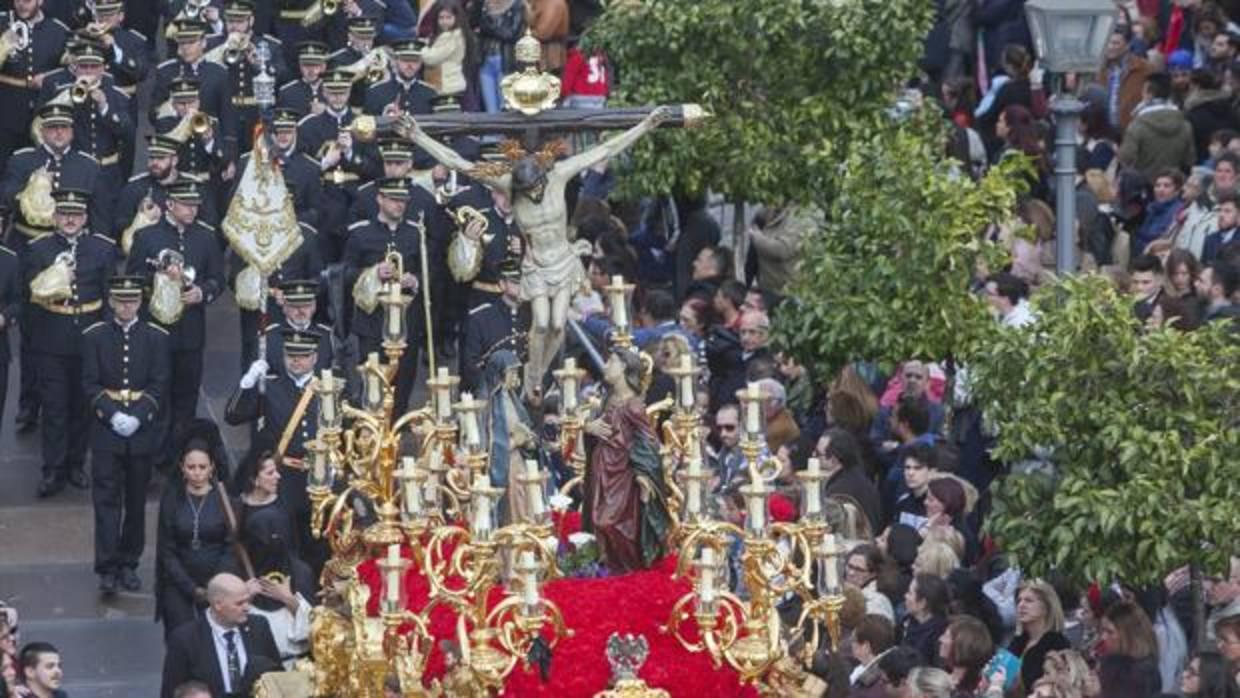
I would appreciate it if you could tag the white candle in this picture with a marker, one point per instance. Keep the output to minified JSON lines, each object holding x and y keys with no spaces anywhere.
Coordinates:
{"x":687,"y":397}
{"x":832,"y":571}
{"x":432,"y":481}
{"x":534,"y":489}
{"x":570,"y":384}
{"x":327,"y":398}
{"x":443,"y":394}
{"x":374,"y":386}
{"x":529,"y":579}
{"x":395,"y":309}
{"x":319,"y":456}
{"x":469,"y":421}
{"x":482,"y":507}
{"x":753,"y":420}
{"x":757,"y":513}
{"x":393,"y":574}
{"x":619,"y":313}
{"x":813,"y":493}
{"x":708,"y":575}
{"x":695,"y":486}
{"x":413,"y":498}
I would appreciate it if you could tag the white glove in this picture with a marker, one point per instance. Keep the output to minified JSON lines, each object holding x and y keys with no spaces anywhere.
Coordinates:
{"x":132,"y":424}
{"x":125,"y":425}
{"x":258,"y":369}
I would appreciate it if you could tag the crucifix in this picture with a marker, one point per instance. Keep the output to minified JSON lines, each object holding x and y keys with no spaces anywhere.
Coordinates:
{"x":551,"y":271}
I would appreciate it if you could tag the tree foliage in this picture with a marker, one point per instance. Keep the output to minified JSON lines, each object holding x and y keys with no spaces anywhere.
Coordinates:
{"x":888,"y":277}
{"x":1142,"y":427}
{"x":790,"y":84}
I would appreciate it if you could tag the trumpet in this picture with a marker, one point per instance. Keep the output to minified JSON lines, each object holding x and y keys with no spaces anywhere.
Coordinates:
{"x":231,"y":51}
{"x":193,"y":8}
{"x":192,"y":124}
{"x":81,"y":89}
{"x":372,"y":67}
{"x":331,"y":7}
{"x":169,"y":259}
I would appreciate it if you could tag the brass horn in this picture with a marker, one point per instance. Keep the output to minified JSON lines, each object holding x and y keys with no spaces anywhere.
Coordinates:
{"x":81,"y":89}
{"x":331,"y":7}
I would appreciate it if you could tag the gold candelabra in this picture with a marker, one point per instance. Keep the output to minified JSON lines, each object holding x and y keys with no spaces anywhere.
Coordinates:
{"x":776,"y":559}
{"x":373,"y":498}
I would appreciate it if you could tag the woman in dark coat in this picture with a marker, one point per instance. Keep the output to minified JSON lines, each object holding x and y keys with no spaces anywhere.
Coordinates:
{"x":194,"y":537}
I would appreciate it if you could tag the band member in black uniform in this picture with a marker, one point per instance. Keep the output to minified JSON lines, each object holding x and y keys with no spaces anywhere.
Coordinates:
{"x":366,"y":251}
{"x":402,"y":92}
{"x":66,"y":273}
{"x":289,"y":409}
{"x":200,"y":155}
{"x":241,"y":64}
{"x":304,"y":263}
{"x":359,"y":40}
{"x":299,"y":299}
{"x":337,"y":27}
{"x":21,"y":76}
{"x":102,"y":127}
{"x":125,"y":377}
{"x":10,"y":313}
{"x":289,"y":28}
{"x":494,"y":325}
{"x":154,"y":253}
{"x":66,"y":168}
{"x":496,"y":238}
{"x":301,"y":172}
{"x":148,"y":191}
{"x":397,"y":155}
{"x":214,"y":90}
{"x":342,"y":161}
{"x":304,"y":95}
{"x":128,"y":60}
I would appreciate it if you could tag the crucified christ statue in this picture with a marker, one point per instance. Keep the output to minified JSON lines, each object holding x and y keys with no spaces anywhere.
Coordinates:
{"x":551,"y":271}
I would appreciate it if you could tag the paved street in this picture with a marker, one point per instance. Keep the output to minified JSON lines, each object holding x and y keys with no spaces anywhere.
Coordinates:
{"x":110,"y":648}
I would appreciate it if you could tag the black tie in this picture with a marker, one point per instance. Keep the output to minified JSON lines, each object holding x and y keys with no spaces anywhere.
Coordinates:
{"x":234,"y":662}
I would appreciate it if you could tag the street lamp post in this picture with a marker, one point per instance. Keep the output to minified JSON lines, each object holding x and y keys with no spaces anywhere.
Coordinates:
{"x":1069,"y":36}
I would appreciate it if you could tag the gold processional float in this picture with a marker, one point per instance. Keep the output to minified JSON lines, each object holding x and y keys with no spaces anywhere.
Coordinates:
{"x":413,"y":491}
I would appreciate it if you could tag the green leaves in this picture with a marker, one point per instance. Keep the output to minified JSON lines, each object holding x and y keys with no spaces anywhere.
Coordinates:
{"x":790,"y":84}
{"x":888,"y":276}
{"x":1142,"y":427}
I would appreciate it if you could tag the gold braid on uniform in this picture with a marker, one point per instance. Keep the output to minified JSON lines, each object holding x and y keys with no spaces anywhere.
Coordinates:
{"x":512,"y":151}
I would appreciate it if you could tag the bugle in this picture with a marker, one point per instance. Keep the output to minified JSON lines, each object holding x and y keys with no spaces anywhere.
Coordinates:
{"x":81,"y":89}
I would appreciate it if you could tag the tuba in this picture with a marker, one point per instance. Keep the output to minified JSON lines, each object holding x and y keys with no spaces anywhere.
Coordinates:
{"x":35,"y":200}
{"x":369,"y":286}
{"x":55,"y":283}
{"x":166,"y":304}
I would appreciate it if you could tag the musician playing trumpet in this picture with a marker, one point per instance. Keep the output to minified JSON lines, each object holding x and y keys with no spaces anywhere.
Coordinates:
{"x":238,"y":51}
{"x":102,"y":125}
{"x":371,"y":249}
{"x":200,"y":151}
{"x":403,"y":92}
{"x":342,"y":161}
{"x":125,"y":49}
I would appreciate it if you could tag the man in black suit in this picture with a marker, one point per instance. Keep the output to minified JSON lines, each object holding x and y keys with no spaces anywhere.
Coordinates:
{"x":226,"y":648}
